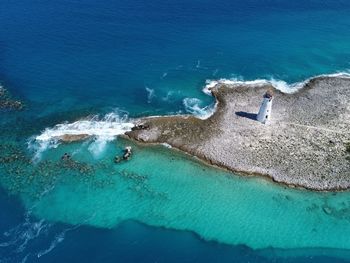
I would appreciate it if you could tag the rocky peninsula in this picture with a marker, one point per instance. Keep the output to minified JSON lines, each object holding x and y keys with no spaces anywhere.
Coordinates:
{"x":305,"y":144}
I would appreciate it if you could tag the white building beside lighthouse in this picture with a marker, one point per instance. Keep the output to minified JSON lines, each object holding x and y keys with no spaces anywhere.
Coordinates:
{"x":265,"y":108}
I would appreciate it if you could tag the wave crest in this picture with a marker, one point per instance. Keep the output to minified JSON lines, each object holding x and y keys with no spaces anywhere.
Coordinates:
{"x":194,"y":106}
{"x":102,"y":129}
{"x":281,"y":85}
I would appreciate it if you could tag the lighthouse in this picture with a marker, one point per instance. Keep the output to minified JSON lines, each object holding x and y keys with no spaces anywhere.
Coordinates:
{"x":265,"y":108}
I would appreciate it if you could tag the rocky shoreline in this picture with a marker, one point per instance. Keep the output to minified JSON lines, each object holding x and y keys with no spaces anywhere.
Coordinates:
{"x":306,"y":143}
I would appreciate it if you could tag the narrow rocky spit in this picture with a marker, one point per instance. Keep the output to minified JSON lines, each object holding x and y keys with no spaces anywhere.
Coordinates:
{"x":305,"y":144}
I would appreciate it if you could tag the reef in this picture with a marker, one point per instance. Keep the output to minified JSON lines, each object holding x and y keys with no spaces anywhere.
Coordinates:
{"x":305,"y":144}
{"x":20,"y":175}
{"x":7,"y":102}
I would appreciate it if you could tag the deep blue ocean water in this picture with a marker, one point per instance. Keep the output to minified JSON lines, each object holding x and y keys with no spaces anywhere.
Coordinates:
{"x":67,"y":59}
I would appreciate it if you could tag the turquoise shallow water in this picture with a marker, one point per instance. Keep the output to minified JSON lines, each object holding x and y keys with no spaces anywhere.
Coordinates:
{"x":71,"y":59}
{"x":163,"y":188}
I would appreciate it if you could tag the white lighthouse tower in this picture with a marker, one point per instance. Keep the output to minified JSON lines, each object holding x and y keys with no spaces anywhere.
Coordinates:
{"x":265,"y":108}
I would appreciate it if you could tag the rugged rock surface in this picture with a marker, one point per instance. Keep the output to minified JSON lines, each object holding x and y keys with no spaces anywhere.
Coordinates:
{"x":304,"y":144}
{"x":73,"y":137}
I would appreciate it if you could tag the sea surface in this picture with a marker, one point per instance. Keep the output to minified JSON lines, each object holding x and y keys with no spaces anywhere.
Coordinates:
{"x":94,"y":66}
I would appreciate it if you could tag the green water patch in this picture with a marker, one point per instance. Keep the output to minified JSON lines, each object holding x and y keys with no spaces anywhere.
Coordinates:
{"x":165,"y":188}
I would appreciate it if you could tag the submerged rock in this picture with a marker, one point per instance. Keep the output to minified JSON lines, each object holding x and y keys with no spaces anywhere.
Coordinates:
{"x":7,"y":102}
{"x":126,"y":155}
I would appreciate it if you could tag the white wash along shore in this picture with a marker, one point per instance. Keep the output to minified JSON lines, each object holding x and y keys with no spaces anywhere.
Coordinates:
{"x":303,"y":143}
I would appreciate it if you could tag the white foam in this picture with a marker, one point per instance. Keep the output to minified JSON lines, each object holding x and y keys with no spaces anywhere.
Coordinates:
{"x":98,"y":146}
{"x":167,"y":145}
{"x":215,"y":72}
{"x":38,"y":147}
{"x":24,"y":233}
{"x":58,"y":239}
{"x":285,"y":87}
{"x":101,"y":129}
{"x":169,"y":94}
{"x":109,"y":126}
{"x":31,"y":231}
{"x":343,"y":75}
{"x":234,"y":81}
{"x":281,"y":85}
{"x":193,"y":106}
{"x":150,"y":94}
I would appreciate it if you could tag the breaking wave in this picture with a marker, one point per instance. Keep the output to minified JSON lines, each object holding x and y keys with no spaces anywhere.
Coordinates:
{"x":113,"y":124}
{"x":194,"y":106}
{"x":101,"y":130}
{"x":278,"y":84}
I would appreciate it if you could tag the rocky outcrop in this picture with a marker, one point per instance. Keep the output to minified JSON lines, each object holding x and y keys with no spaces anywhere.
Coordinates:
{"x":304,"y":144}
{"x":73,"y":137}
